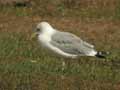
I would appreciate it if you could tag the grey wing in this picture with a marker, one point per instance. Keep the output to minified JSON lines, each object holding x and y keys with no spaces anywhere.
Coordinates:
{"x":70,"y":43}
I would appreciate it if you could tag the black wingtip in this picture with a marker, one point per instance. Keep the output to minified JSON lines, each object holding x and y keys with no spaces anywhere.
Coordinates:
{"x":102,"y":54}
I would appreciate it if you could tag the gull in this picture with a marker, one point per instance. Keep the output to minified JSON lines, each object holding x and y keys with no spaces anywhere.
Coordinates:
{"x":64,"y":43}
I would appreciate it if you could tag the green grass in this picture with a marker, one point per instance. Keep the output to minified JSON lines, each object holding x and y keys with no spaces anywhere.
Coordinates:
{"x":18,"y":72}
{"x":93,"y":23}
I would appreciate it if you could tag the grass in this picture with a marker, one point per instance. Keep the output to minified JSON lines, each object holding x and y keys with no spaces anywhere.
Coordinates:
{"x":109,"y":9}
{"x":17,"y":50}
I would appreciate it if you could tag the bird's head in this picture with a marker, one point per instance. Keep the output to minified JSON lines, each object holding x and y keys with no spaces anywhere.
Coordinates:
{"x":42,"y":28}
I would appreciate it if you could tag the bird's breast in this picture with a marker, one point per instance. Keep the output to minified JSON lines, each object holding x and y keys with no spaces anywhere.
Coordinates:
{"x":44,"y":38}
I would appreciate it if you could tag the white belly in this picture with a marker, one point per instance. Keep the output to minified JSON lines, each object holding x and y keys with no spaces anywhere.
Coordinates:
{"x":45,"y":41}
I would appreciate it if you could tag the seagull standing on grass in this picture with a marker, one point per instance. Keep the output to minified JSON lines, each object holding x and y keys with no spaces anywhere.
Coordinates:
{"x":64,"y":43}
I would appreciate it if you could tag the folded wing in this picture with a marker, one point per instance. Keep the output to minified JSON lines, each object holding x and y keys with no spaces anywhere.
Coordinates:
{"x":71,"y":44}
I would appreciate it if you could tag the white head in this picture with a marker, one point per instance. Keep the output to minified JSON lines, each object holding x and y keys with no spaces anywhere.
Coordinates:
{"x":44,"y":27}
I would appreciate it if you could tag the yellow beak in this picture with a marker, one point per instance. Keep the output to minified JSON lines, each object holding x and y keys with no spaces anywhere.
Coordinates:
{"x":34,"y":35}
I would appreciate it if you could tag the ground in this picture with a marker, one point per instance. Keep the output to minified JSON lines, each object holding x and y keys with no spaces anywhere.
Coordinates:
{"x":18,"y":51}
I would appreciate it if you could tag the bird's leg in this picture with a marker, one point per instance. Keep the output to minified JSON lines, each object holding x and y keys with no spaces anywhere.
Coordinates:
{"x":63,"y":69}
{"x":63,"y":66}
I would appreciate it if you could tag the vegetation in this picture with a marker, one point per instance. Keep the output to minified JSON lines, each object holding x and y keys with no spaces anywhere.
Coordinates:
{"x":24,"y":65}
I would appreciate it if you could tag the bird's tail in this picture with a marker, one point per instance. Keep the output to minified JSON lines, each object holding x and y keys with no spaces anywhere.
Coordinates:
{"x":102,"y":54}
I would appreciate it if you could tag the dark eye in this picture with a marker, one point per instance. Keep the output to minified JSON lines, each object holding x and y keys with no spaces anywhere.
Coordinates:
{"x":37,"y":29}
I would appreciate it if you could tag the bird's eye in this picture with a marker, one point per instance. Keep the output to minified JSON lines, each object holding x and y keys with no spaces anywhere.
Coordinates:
{"x":37,"y":29}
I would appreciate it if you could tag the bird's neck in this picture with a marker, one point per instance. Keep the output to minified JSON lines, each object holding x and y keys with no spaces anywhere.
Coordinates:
{"x":48,"y":31}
